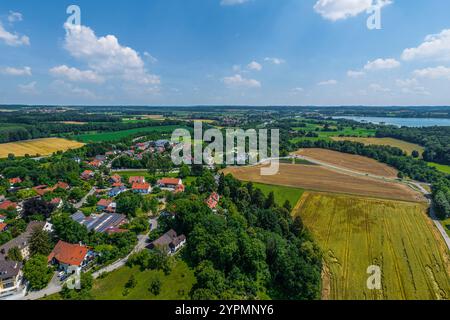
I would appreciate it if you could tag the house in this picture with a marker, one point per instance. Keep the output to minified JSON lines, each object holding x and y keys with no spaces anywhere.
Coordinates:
{"x":2,"y":218}
{"x":143,"y":188}
{"x":61,"y":185}
{"x":114,"y":192}
{"x":8,"y":205}
{"x":170,"y":183}
{"x":10,"y":277}
{"x":41,"y":190}
{"x":115,"y":179}
{"x":14,"y":181}
{"x":103,"y":204}
{"x":100,"y":223}
{"x":213,"y":200}
{"x":95,"y":163}
{"x":133,"y":180}
{"x":67,"y":256}
{"x":87,"y":174}
{"x":3,"y":226}
{"x":170,"y":242}
{"x":161,"y":143}
{"x":22,"y":241}
{"x":2,"y":198}
{"x":118,"y":185}
{"x":57,"y":202}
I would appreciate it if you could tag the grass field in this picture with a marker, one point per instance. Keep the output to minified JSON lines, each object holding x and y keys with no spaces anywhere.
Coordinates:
{"x":356,"y":232}
{"x":41,"y":147}
{"x":446,"y":224}
{"x":117,"y":135}
{"x":281,"y":193}
{"x":403,"y":145}
{"x":441,"y":167}
{"x":175,"y":286}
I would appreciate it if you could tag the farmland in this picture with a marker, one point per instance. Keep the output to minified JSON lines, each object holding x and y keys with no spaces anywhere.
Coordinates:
{"x":117,"y":135}
{"x":441,"y":167}
{"x":282,"y":194}
{"x":175,"y":286}
{"x":349,"y":162}
{"x":34,"y":147}
{"x":403,"y":145}
{"x":355,"y":233}
{"x":319,"y":178}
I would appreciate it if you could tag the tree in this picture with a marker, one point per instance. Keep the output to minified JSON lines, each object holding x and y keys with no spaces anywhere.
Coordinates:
{"x":415,"y":154}
{"x":14,"y":254}
{"x":287,"y":205}
{"x":37,"y":208}
{"x":128,"y":203}
{"x":69,"y":230}
{"x":37,"y":272}
{"x":155,"y":286}
{"x":131,"y":283}
{"x":185,"y":171}
{"x":40,"y":242}
{"x":270,"y":202}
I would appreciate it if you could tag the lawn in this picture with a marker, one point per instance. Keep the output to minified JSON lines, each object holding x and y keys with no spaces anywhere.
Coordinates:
{"x":441,"y":167}
{"x":356,"y":232}
{"x":175,"y":286}
{"x":117,"y":135}
{"x":446,"y":224}
{"x":327,"y":135}
{"x":42,"y":147}
{"x":281,"y":193}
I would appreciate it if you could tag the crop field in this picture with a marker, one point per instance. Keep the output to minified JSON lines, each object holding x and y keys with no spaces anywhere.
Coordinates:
{"x":41,"y":147}
{"x":319,"y":178}
{"x":117,"y":135}
{"x":281,"y":193}
{"x":403,"y":145}
{"x":349,"y":162}
{"x":355,"y":233}
{"x":175,"y":286}
{"x":441,"y":167}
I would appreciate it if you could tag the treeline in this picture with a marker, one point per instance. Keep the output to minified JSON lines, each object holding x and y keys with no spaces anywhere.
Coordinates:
{"x":39,"y":117}
{"x":43,"y":130}
{"x":251,"y":249}
{"x":436,"y":140}
{"x":407,"y":166}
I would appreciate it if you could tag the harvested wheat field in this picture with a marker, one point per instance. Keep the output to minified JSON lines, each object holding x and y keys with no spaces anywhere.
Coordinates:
{"x":355,"y":233}
{"x":391,"y":142}
{"x":349,"y":162}
{"x":35,"y":147}
{"x":319,"y":178}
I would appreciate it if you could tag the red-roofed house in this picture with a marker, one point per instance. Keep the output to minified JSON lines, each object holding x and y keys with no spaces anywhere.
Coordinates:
{"x":8,"y":205}
{"x":144,"y":188}
{"x":57,"y":202}
{"x":103,"y":204}
{"x":136,"y":180}
{"x":3,"y":226}
{"x":61,"y":185}
{"x":14,"y":181}
{"x":96,"y":163}
{"x":87,"y":174}
{"x":115,"y":179}
{"x":69,"y":255}
{"x":170,"y":182}
{"x":41,"y":190}
{"x":213,"y":200}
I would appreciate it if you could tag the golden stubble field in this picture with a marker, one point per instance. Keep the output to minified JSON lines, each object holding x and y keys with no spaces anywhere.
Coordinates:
{"x":355,"y":233}
{"x":41,"y":147}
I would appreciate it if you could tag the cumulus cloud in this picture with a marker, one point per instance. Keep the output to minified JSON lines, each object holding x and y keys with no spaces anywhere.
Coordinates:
{"x":25,"y":71}
{"x":435,"y":47}
{"x":411,"y":86}
{"x":238,"y":81}
{"x":106,"y":56}
{"x":254,"y":66}
{"x":232,"y":2}
{"x":276,"y":61}
{"x":14,"y":16}
{"x":342,"y":9}
{"x":13,"y":39}
{"x":440,"y":72}
{"x":380,"y":64}
{"x":327,"y":83}
{"x":355,"y":74}
{"x":73,"y":74}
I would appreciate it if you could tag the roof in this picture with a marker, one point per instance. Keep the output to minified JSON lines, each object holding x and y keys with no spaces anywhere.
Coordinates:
{"x":141,"y":186}
{"x":136,"y":180}
{"x":118,"y":184}
{"x":15,"y":180}
{"x":22,"y":240}
{"x":56,"y":201}
{"x":62,"y":185}
{"x":9,"y":269}
{"x":104,"y":202}
{"x":100,"y":223}
{"x":116,"y":178}
{"x":166,"y":239}
{"x":170,"y":181}
{"x":2,"y":226}
{"x":213,"y":200}
{"x":70,"y":254}
{"x":7,"y":204}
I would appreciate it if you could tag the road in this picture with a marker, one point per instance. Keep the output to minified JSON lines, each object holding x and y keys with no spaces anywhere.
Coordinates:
{"x":83,"y":200}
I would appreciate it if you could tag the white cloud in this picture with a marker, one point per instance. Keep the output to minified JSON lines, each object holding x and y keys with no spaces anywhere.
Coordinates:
{"x":25,"y":71}
{"x":106,"y":56}
{"x":232,"y":2}
{"x":342,"y":9}
{"x":13,"y":39}
{"x":355,"y":74}
{"x":29,"y":88}
{"x":14,"y":16}
{"x":327,"y":83}
{"x":380,"y":64}
{"x":297,"y":90}
{"x":73,"y":74}
{"x":276,"y":61}
{"x":254,"y":66}
{"x":435,"y":47}
{"x":440,"y":72}
{"x":404,"y":83}
{"x":238,"y":81}
{"x":151,"y":58}
{"x":378,"y":88}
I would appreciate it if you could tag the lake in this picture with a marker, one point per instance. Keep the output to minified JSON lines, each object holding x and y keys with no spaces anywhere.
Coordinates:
{"x":401,"y":122}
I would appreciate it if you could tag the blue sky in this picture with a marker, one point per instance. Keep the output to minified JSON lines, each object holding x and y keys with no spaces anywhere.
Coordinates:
{"x":220,"y":52}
